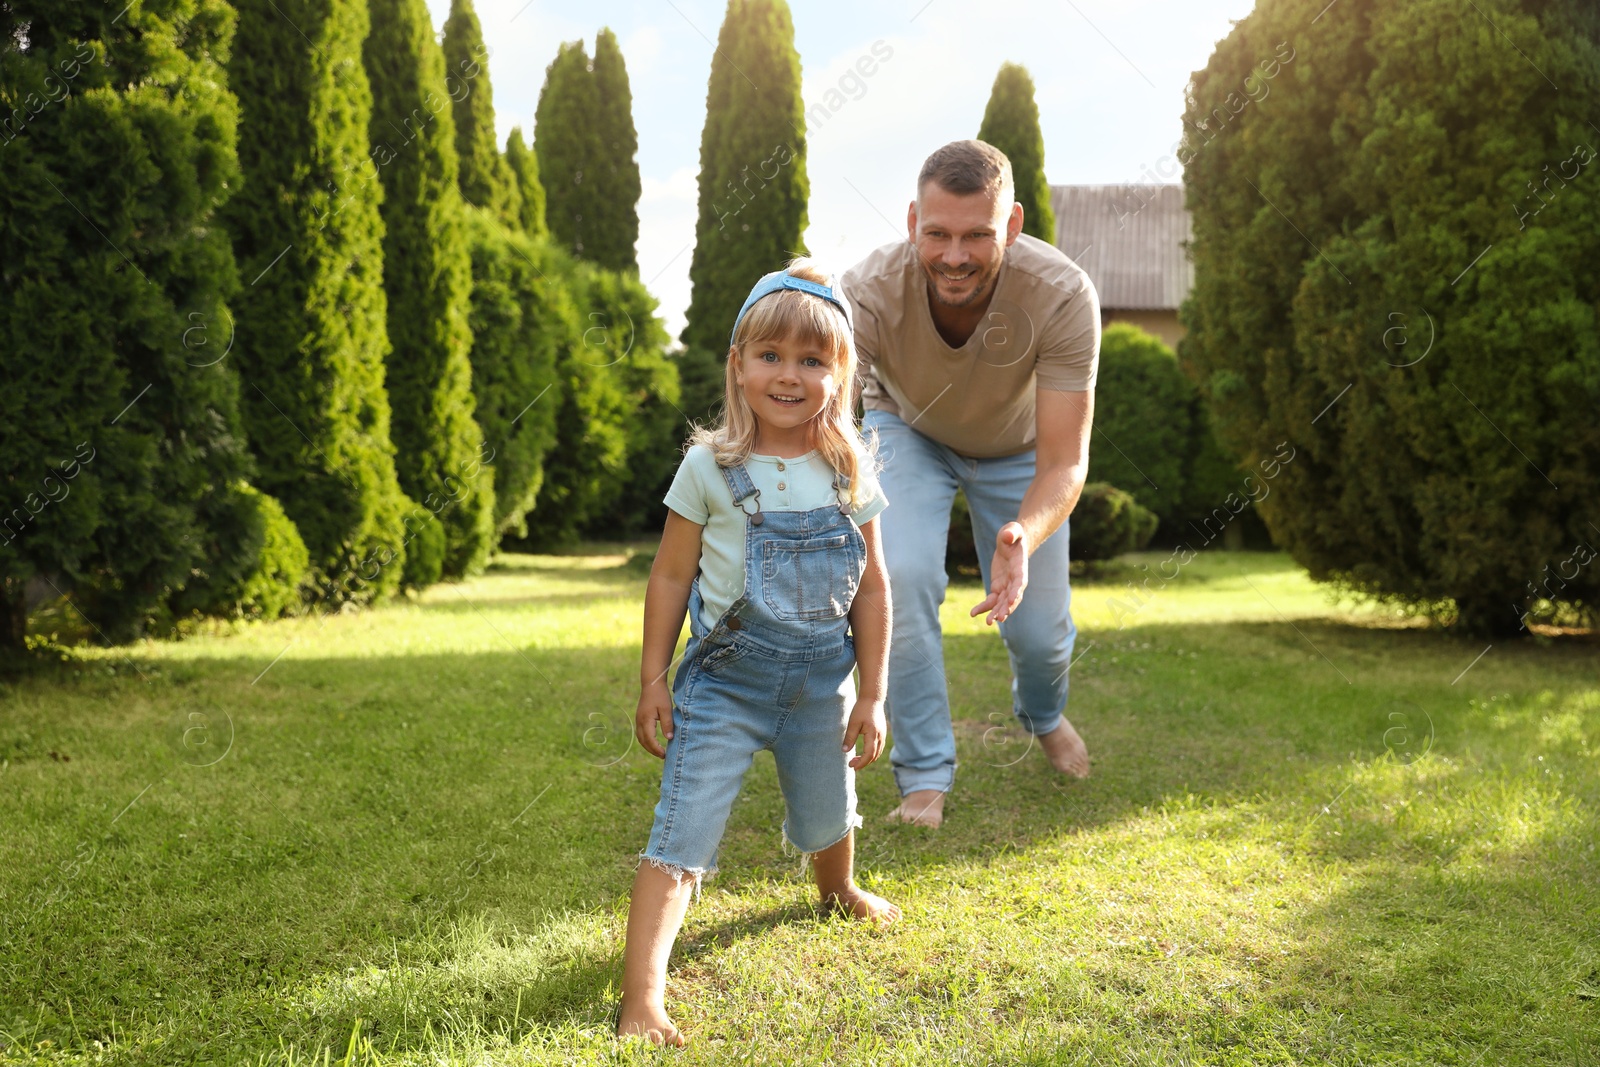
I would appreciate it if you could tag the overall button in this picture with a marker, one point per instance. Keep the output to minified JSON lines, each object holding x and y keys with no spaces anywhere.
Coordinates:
{"x":735,"y":623}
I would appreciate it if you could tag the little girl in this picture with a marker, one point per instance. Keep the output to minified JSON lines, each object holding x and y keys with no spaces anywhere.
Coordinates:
{"x":772,"y":547}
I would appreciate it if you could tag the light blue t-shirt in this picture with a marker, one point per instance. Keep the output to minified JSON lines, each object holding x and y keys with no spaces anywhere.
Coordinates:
{"x":699,"y":494}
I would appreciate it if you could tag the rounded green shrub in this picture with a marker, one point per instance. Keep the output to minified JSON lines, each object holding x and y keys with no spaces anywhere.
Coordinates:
{"x":1143,"y":419}
{"x":1106,"y":523}
{"x":1109,"y":522}
{"x":255,"y":563}
{"x":273,"y":587}
{"x":426,"y":546}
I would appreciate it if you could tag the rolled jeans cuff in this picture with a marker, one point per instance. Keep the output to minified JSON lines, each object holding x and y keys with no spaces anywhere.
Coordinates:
{"x":910,"y":780}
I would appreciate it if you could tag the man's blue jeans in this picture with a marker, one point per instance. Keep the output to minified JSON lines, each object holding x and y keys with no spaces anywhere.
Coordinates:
{"x":920,"y":478}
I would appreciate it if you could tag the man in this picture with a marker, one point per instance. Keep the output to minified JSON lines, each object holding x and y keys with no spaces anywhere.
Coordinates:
{"x":979,"y":348}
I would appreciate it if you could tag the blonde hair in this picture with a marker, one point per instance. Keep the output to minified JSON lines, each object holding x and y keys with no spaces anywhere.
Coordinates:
{"x":786,"y":315}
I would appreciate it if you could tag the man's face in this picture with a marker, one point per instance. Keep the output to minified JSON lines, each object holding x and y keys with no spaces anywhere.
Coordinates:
{"x":961,"y":240}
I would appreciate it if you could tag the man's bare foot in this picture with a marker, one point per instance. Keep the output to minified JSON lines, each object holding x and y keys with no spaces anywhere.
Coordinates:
{"x":1068,"y":754}
{"x":649,"y":1021}
{"x":921,"y":807}
{"x":860,"y":904}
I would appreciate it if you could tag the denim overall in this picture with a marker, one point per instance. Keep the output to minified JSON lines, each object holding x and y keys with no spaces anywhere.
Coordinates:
{"x":773,"y":673}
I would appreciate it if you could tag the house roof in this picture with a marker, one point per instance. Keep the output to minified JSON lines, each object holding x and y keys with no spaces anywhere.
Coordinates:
{"x":1129,"y":238}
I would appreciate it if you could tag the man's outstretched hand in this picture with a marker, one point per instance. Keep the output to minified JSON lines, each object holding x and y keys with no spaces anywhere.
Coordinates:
{"x":1008,"y":575}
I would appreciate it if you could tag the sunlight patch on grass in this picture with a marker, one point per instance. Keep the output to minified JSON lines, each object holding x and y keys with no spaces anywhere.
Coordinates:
{"x":453,"y":978}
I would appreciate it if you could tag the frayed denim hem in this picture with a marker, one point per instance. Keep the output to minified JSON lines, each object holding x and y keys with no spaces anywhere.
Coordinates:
{"x":680,"y":874}
{"x":854,"y":822}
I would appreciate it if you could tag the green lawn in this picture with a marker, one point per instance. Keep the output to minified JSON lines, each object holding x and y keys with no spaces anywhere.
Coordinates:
{"x":406,"y":835}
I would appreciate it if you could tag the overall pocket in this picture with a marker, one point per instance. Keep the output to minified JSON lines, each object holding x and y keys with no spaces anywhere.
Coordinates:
{"x":717,"y":658}
{"x":811,"y":579}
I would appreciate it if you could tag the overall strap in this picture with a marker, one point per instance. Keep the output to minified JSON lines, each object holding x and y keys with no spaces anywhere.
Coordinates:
{"x":742,"y":489}
{"x":841,"y":489}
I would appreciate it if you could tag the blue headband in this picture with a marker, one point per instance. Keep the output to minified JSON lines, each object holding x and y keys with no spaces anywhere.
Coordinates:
{"x":772,"y":283}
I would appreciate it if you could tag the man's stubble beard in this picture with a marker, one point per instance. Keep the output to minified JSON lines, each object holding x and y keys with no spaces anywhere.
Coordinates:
{"x":980,"y":292}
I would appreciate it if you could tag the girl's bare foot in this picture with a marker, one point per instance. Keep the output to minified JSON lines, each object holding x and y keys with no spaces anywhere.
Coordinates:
{"x":1068,"y":754}
{"x":860,"y":904}
{"x":921,"y":807}
{"x":650,"y":1021}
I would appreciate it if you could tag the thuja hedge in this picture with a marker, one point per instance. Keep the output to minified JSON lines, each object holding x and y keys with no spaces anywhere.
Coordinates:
{"x":218,"y":445}
{"x":617,"y":426}
{"x":575,"y":393}
{"x":522,"y":318}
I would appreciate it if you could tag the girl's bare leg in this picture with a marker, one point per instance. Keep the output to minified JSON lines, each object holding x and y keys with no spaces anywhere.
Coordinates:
{"x":834,"y":870}
{"x":655,"y":913}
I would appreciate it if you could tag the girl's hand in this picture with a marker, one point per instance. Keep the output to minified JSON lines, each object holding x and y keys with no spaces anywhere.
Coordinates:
{"x":868,"y":724}
{"x":655,"y":709}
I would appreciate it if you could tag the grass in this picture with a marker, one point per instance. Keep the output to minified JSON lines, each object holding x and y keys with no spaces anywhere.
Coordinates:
{"x":1315,"y":834}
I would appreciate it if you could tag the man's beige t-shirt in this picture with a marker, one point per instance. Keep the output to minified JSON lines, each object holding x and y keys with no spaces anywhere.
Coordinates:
{"x":1042,"y":327}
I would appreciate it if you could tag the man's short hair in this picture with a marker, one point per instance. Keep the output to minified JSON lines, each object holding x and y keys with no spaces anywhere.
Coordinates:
{"x":965,"y":167}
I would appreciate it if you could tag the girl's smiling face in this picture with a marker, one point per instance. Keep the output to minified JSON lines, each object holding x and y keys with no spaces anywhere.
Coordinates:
{"x":787,"y":383}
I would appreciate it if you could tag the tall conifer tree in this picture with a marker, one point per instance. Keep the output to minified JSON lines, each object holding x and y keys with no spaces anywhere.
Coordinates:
{"x":614,"y":229}
{"x":586,"y":143}
{"x":486,"y":178}
{"x":311,"y":323}
{"x":427,"y":276}
{"x":524,"y":164}
{"x":566,"y":138}
{"x":753,"y":186}
{"x":1011,"y":124}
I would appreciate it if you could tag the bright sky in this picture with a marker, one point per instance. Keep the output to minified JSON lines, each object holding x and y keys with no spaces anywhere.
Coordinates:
{"x":1110,"y":77}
